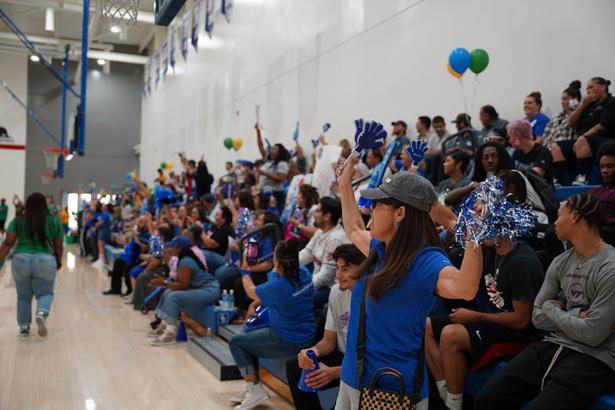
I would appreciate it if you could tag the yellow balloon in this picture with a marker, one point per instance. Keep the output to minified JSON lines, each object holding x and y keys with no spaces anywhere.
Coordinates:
{"x":169,"y":165}
{"x":237,"y":143}
{"x":133,"y":175}
{"x":452,"y":72}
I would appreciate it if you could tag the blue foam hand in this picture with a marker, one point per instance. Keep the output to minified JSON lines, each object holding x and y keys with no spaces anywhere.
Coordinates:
{"x":359,"y":129}
{"x":296,"y":132}
{"x":416,"y":151}
{"x":326,"y":127}
{"x":268,"y":144}
{"x":315,"y":143}
{"x":372,"y":136}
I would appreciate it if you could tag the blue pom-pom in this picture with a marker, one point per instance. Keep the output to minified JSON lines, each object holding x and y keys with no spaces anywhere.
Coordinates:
{"x":488,"y":214}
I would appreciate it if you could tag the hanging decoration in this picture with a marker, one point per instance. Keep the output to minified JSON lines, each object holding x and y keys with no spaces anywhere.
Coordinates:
{"x":157,"y":67}
{"x":209,"y":17}
{"x":237,"y":143}
{"x":227,"y":9}
{"x":184,"y":42}
{"x":165,"y":59}
{"x":172,"y":43}
{"x":196,"y":12}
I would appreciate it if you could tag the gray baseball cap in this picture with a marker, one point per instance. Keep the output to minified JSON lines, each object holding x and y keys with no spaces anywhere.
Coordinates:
{"x":406,"y":187}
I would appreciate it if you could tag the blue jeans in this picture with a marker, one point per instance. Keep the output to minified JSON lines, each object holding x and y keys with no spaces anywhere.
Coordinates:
{"x":214,"y":260}
{"x":173,"y":302}
{"x":34,"y":275}
{"x":225,"y":271}
{"x":246,"y":348}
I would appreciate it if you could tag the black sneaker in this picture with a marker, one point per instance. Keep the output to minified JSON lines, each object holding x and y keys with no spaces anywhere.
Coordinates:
{"x":127,"y":293}
{"x":112,"y":292}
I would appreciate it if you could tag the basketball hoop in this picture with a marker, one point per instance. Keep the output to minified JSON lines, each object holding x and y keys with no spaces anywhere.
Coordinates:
{"x":118,"y":13}
{"x":47,"y":177}
{"x":51,"y":156}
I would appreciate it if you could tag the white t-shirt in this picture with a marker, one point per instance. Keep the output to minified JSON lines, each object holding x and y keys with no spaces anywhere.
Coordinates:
{"x":338,"y":315}
{"x":320,"y":250}
{"x":271,"y":168}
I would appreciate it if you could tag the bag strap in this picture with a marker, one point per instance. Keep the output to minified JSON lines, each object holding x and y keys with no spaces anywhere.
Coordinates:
{"x":361,"y":336}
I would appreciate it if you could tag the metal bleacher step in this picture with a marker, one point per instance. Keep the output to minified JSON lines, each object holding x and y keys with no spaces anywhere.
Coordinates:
{"x":227,"y":331}
{"x":214,"y":353}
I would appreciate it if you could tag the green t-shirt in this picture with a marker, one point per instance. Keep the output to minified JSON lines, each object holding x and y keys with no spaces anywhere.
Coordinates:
{"x":4,"y":211}
{"x":25,"y":244}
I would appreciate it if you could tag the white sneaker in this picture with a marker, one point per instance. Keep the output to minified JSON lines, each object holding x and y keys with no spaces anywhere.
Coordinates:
{"x":255,"y":396}
{"x":580,"y":180}
{"x":98,"y":263}
{"x":128,"y":300}
{"x":237,"y":399}
{"x":41,"y":323}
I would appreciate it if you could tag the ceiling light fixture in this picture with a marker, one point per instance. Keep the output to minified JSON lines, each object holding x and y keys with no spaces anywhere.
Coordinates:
{"x":100,"y":61}
{"x":49,"y":20}
{"x":36,"y":59}
{"x":115,"y":29}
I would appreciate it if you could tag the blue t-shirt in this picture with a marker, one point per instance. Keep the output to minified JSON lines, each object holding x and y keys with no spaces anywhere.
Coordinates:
{"x":395,"y":325}
{"x":105,"y":216}
{"x":291,"y":313}
{"x":199,"y":278}
{"x":265,"y":247}
{"x":539,"y":123}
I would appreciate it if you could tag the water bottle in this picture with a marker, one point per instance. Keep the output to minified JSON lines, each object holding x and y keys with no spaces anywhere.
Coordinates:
{"x":301,"y":384}
{"x":224,"y":300}
{"x":231,"y":299}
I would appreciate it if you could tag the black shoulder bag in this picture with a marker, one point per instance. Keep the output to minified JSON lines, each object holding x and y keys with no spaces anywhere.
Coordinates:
{"x":374,"y":398}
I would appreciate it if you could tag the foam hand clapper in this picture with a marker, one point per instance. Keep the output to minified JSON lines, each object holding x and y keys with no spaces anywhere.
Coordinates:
{"x":259,"y":321}
{"x":416,"y":151}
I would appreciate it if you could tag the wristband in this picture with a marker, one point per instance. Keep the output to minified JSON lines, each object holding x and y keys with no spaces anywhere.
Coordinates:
{"x":245,"y":272}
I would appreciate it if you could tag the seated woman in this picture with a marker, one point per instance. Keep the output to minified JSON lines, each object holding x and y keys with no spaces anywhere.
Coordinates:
{"x":560,"y":136}
{"x":229,"y":276}
{"x":288,"y":294}
{"x":301,"y":223}
{"x":193,"y":288}
{"x":491,"y":158}
{"x":216,"y":240}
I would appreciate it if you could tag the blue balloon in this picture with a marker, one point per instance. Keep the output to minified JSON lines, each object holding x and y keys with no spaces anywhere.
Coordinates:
{"x":460,"y":60}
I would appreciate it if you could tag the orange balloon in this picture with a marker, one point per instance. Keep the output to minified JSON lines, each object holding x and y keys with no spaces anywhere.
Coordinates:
{"x":452,"y":72}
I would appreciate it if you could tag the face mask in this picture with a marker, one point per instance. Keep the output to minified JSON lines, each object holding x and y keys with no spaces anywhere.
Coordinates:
{"x":572,"y":104}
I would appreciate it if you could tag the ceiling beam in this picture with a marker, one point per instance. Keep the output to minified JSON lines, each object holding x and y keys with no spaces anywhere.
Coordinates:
{"x":6,"y":35}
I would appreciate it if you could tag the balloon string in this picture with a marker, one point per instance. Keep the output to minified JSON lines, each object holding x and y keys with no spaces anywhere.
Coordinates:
{"x":463,"y":95}
{"x":474,"y":93}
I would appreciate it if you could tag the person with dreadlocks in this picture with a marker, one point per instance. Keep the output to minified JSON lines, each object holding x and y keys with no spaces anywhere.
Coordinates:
{"x":575,"y":363}
{"x":38,"y":239}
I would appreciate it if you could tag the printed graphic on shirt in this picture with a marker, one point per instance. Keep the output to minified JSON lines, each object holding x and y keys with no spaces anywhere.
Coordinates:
{"x":495,"y":296}
{"x":575,"y":293}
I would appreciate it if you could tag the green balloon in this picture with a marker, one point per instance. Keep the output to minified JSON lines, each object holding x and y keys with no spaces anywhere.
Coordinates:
{"x":228,"y":143}
{"x":163,"y":165}
{"x":480,"y":60}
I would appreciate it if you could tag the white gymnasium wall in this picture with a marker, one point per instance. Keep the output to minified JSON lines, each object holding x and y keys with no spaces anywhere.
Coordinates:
{"x":333,"y":61}
{"x":14,"y":71}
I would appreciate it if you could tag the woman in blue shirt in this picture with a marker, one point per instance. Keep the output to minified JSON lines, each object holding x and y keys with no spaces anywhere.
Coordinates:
{"x":404,"y":271}
{"x":289,"y":294}
{"x":532,"y":106}
{"x":193,"y":288}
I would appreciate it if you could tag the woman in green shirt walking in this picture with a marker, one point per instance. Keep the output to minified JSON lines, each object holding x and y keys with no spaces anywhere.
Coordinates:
{"x":37,"y":237}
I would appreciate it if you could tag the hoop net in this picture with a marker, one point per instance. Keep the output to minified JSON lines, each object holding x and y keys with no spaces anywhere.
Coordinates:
{"x":51,"y":157}
{"x":47,"y":177}
{"x":120,"y":13}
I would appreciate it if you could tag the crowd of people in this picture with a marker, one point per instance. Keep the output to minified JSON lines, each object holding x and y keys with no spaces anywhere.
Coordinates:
{"x":387,"y":286}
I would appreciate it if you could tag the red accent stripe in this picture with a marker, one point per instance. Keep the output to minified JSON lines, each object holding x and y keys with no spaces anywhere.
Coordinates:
{"x":12,"y":146}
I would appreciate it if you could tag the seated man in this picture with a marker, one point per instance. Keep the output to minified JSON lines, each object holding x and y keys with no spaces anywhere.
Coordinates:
{"x":454,"y":166}
{"x":512,"y":278}
{"x":319,"y":249}
{"x":466,"y":138}
{"x":130,"y":258}
{"x":528,"y":153}
{"x":575,"y":364}
{"x":331,"y":348}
